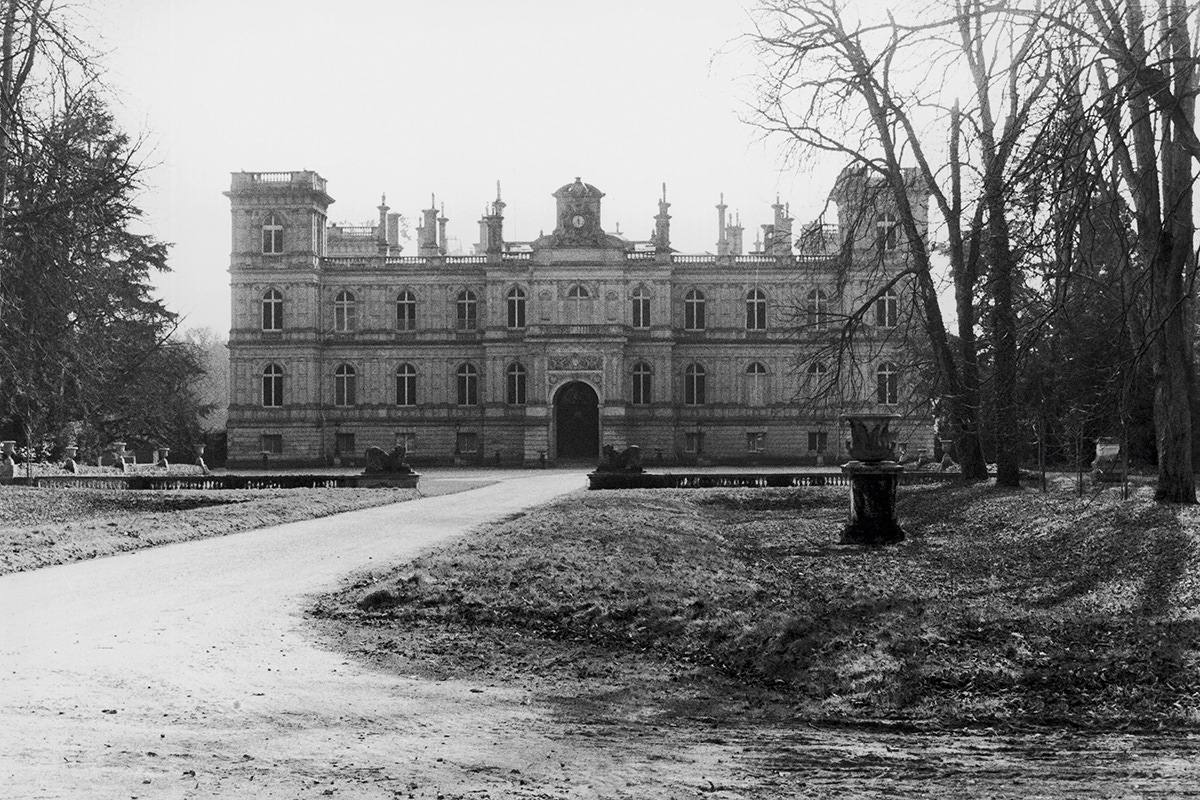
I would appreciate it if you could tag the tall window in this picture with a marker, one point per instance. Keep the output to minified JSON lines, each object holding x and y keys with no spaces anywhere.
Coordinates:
{"x":345,"y":312}
{"x":272,"y":386}
{"x":756,"y":384}
{"x":887,"y":379}
{"x":516,"y":307}
{"x":693,"y":310}
{"x":406,"y":385}
{"x":272,"y":310}
{"x":756,"y":311}
{"x":514,"y":393}
{"x":818,"y":308}
{"x":577,"y":305}
{"x":887,"y":310}
{"x":641,"y":384}
{"x":406,"y":311}
{"x":887,"y":231}
{"x":467,"y":380}
{"x":344,"y":386}
{"x":641,"y":307}
{"x":466,"y":311}
{"x":272,"y":236}
{"x":693,"y":385}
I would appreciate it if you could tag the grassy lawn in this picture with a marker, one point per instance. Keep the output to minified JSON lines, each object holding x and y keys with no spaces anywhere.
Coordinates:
{"x":1001,"y":609}
{"x":41,"y":526}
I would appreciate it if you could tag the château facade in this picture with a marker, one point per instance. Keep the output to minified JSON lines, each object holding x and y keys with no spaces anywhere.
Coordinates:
{"x":547,"y":350}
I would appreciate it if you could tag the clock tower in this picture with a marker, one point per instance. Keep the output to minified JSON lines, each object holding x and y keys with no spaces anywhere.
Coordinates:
{"x":579,"y":216}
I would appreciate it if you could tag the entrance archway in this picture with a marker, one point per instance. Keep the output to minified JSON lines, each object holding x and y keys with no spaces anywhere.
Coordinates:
{"x":577,"y":421}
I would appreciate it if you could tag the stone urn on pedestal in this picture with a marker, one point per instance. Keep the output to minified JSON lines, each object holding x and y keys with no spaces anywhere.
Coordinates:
{"x":7,"y":464}
{"x":874,"y":474}
{"x":69,"y":454}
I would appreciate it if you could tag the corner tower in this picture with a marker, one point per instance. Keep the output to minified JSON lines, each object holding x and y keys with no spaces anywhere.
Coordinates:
{"x":278,"y":219}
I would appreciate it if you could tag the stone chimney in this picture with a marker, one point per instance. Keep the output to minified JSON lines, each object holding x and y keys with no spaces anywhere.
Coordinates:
{"x":441,"y":222}
{"x":427,"y":231}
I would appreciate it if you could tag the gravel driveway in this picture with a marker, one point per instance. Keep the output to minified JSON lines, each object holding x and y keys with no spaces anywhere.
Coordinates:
{"x":186,"y":671}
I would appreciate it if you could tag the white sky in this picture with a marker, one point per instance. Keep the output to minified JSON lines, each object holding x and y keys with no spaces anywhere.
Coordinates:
{"x":445,"y":97}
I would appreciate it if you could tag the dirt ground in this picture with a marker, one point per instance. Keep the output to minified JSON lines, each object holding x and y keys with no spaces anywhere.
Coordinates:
{"x":676,"y":732}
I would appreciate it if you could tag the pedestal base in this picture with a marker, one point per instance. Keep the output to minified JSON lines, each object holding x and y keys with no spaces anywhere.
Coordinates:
{"x":872,"y":503}
{"x":387,"y":480}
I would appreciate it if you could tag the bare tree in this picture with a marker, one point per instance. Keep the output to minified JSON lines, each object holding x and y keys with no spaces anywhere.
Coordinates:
{"x":1146,"y":71}
{"x":874,"y":92}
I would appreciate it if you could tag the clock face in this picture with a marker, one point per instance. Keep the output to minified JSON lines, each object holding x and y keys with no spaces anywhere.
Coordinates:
{"x":578,"y":220}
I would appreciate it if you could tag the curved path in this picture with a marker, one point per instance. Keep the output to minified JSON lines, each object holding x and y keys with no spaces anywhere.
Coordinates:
{"x":187,"y":671}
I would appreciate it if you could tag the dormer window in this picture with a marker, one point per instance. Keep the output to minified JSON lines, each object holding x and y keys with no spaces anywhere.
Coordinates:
{"x":272,"y":236}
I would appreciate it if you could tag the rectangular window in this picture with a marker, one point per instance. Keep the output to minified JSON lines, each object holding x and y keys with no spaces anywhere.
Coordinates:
{"x":756,"y":441}
{"x":817,"y":441}
{"x":343,"y":444}
{"x":270,"y":443}
{"x":466,"y":442}
{"x":407,"y":440}
{"x":693,"y":441}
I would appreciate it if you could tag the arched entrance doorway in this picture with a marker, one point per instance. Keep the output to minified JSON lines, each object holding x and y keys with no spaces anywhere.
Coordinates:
{"x":577,"y":421}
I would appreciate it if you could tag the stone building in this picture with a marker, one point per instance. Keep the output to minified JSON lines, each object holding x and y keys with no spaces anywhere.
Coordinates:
{"x":551,"y":348}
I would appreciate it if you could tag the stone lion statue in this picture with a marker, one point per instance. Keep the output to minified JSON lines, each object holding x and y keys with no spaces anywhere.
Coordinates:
{"x":380,"y":462}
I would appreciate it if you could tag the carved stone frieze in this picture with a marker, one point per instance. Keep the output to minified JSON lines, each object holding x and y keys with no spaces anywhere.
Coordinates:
{"x":575,"y":362}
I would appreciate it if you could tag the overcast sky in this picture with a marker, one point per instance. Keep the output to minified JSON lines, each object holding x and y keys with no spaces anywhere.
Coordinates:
{"x":442,"y":97}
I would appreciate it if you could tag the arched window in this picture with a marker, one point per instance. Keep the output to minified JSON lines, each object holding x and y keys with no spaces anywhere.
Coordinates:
{"x":887,"y":380}
{"x":406,"y":385}
{"x":272,"y":236}
{"x":693,"y":310}
{"x":641,"y":307}
{"x":816,"y":372}
{"x":466,"y":311}
{"x":344,"y":386}
{"x":887,"y":309}
{"x":693,"y":385}
{"x":468,"y":385}
{"x":272,"y":310}
{"x":406,"y":311}
{"x":516,"y":307}
{"x":272,"y":386}
{"x":756,"y":384}
{"x":641,"y":384}
{"x":578,"y":305}
{"x":756,"y":310}
{"x":514,"y":385}
{"x":818,"y":308}
{"x":887,"y":231}
{"x":345,"y":312}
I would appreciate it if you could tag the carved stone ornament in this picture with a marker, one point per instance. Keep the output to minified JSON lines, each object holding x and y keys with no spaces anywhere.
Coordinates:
{"x":576,"y":362}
